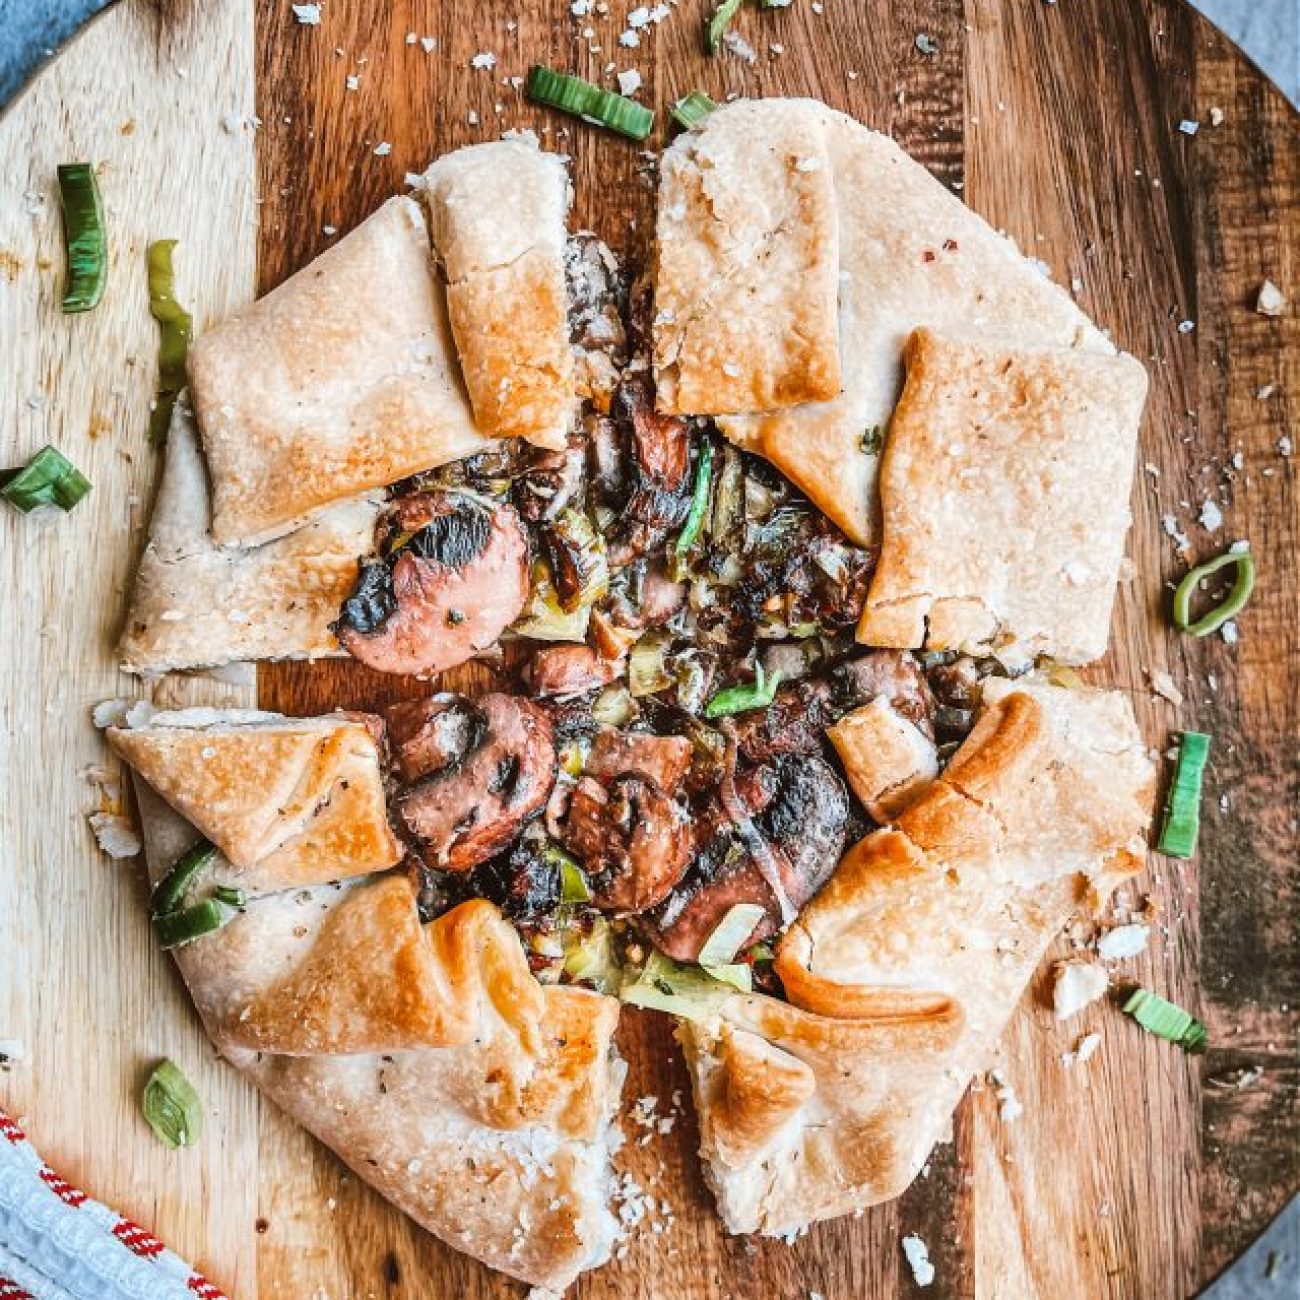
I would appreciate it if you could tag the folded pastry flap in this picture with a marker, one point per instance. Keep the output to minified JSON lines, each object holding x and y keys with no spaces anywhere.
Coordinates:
{"x":287,"y":801}
{"x":342,"y":379}
{"x":194,"y":604}
{"x":530,"y":1202}
{"x":511,"y":328}
{"x":911,"y":254}
{"x":497,"y":213}
{"x":747,"y":263}
{"x":755,"y":1091}
{"x":1004,"y":494}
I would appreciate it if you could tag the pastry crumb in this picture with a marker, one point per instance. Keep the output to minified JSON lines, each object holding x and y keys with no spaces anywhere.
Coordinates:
{"x":1076,"y":984}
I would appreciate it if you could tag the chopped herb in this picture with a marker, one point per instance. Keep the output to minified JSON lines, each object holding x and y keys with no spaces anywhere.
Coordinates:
{"x":1231,"y":605}
{"x":1157,"y":1016}
{"x":171,"y":1106}
{"x":740,"y":699}
{"x":873,"y":440}
{"x":695,"y":517}
{"x":1183,"y":806}
{"x":48,"y":479}
{"x":455,"y":617}
{"x":719,"y":23}
{"x":83,"y":236}
{"x":175,"y":330}
{"x":170,"y":890}
{"x":692,"y":108}
{"x":591,"y":103}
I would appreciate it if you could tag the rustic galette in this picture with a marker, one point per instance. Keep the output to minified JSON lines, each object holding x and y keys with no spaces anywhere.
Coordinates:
{"x":766,"y":551}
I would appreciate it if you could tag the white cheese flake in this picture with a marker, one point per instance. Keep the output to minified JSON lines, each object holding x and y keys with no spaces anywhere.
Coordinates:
{"x":307,"y":15}
{"x":383,"y":149}
{"x":1211,"y":517}
{"x":1123,"y":942}
{"x":1270,"y":301}
{"x":918,"y":1258}
{"x":629,"y":82}
{"x":1189,"y":126}
{"x":484,"y":61}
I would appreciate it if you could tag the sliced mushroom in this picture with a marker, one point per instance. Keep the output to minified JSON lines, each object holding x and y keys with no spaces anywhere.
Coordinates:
{"x":477,"y":772}
{"x":633,"y":840}
{"x":664,"y":759}
{"x":659,"y":457}
{"x":569,"y":668}
{"x":800,"y":807}
{"x":453,"y":575}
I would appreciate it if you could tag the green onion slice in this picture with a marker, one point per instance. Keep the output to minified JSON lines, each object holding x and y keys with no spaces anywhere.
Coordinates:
{"x":1183,"y":806}
{"x":231,"y":897}
{"x":175,"y":330}
{"x":543,"y":619}
{"x":83,"y":236}
{"x":737,"y":974}
{"x":171,"y":1106}
{"x":730,"y":935}
{"x":573,"y":881}
{"x":685,"y":991}
{"x":579,"y":568}
{"x":169,"y":891}
{"x":48,"y":479}
{"x":692,"y":108}
{"x":591,"y":103}
{"x":719,"y":23}
{"x":740,"y":699}
{"x":175,"y":929}
{"x":695,"y":516}
{"x":589,"y":956}
{"x":1157,"y":1016}
{"x":1215,"y":618}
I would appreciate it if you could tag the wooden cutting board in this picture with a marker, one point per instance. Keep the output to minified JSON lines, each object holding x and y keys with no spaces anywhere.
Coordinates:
{"x":1140,"y":1174}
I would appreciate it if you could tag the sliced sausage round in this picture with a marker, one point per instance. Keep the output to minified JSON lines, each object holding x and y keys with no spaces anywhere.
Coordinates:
{"x":454,"y":578}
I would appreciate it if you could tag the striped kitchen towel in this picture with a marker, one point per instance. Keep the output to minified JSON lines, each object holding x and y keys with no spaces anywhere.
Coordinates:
{"x":58,"y":1244}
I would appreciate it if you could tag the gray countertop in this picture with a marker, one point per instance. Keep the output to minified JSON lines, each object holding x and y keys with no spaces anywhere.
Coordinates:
{"x":1269,"y":32}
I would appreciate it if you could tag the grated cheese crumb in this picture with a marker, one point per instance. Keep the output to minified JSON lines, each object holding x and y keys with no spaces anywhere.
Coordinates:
{"x":484,"y":61}
{"x":629,"y":82}
{"x":1270,"y":301}
{"x":1123,"y":941}
{"x":1189,"y":126}
{"x":383,"y":149}
{"x":918,"y":1259}
{"x":307,"y":15}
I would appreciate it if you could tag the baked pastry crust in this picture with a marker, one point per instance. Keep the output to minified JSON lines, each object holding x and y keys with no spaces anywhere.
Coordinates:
{"x":289,"y":801}
{"x":497,"y":1138}
{"x":747,"y":263}
{"x":903,"y":971}
{"x":196,"y":605}
{"x":911,"y":254}
{"x":1004,"y":491}
{"x":497,"y":215}
{"x":341,"y":380}
{"x":886,"y":757}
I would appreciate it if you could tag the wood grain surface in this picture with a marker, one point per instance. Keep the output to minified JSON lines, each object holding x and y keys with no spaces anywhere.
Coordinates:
{"x":1140,"y":1174}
